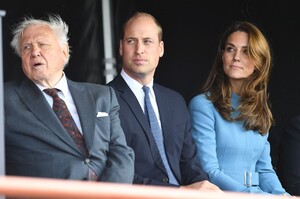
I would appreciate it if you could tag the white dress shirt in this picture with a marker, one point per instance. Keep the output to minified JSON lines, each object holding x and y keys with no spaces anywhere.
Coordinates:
{"x":137,"y":90}
{"x":64,"y":94}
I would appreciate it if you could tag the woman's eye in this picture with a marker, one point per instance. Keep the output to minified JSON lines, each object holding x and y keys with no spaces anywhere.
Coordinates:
{"x":229,"y":49}
{"x":245,"y":51}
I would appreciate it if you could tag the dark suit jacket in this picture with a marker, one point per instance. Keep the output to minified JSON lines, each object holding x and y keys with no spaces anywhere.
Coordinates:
{"x":289,"y":158}
{"x":179,"y":146}
{"x":37,"y":145}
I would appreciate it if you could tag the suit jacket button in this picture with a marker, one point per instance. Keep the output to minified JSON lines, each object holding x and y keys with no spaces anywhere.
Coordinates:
{"x":165,"y":179}
{"x":86,"y":161}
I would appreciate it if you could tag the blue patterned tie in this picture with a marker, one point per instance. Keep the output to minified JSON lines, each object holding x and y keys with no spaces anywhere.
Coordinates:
{"x":62,"y":112}
{"x":157,"y":134}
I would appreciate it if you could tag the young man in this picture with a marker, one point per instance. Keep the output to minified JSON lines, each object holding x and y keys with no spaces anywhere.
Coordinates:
{"x":173,"y":162}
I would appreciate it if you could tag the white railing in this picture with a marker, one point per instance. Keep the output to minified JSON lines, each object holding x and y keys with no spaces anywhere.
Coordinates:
{"x":28,"y":187}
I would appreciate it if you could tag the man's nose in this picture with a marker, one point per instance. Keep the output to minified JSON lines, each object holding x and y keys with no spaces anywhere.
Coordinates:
{"x":139,"y":48}
{"x":35,"y":51}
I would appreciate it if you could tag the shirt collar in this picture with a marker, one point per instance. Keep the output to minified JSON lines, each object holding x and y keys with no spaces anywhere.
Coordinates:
{"x":132,"y":83}
{"x":62,"y":85}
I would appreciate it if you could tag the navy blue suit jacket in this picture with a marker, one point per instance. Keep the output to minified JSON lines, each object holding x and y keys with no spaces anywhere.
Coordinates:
{"x":179,"y":145}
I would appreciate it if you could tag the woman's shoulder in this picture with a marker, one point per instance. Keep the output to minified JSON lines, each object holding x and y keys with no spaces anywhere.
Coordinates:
{"x":200,"y":98}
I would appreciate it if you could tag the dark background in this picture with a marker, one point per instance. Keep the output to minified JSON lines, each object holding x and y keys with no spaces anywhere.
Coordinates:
{"x":192,"y":30}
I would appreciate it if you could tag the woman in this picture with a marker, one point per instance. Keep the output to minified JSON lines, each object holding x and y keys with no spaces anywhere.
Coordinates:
{"x":231,"y":118}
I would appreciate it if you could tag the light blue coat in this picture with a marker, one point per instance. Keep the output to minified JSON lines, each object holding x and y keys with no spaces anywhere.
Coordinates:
{"x":228,"y":152}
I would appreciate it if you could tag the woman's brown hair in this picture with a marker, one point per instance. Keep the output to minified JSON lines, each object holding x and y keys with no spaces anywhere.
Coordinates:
{"x":254,"y":104}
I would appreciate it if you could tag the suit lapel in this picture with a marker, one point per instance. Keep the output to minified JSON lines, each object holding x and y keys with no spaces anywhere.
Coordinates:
{"x":38,"y":105}
{"x":165,"y":113}
{"x":128,"y":96}
{"x":164,"y":108}
{"x":130,"y":99}
{"x":87,"y":118}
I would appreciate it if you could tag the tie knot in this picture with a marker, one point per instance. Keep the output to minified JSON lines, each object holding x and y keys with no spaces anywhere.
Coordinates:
{"x":146,"y":89}
{"x":52,"y":92}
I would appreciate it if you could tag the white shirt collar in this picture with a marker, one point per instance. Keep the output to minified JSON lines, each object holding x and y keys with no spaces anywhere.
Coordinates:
{"x":132,"y":83}
{"x":137,"y":90}
{"x":61,"y":85}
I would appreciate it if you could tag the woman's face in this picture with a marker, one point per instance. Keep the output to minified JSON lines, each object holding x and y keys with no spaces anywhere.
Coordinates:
{"x":236,"y":62}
